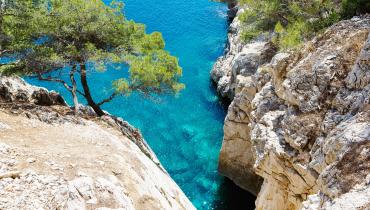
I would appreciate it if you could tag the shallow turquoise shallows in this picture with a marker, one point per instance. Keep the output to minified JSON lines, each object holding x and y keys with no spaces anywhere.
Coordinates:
{"x":185,"y":131}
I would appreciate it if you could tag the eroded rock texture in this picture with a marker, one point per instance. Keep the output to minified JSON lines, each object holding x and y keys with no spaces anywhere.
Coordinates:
{"x":240,"y":61}
{"x":302,"y":123}
{"x":233,"y":75}
{"x":52,"y":159}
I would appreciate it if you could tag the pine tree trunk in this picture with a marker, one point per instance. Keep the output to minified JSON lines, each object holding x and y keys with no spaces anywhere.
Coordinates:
{"x":87,"y":93}
{"x":74,"y":89}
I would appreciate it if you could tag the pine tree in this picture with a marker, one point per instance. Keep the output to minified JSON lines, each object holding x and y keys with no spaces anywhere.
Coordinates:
{"x":54,"y":36}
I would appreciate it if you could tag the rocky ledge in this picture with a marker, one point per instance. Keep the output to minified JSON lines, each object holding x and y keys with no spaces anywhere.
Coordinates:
{"x":52,"y":159}
{"x":299,"y":122}
{"x":240,"y":60}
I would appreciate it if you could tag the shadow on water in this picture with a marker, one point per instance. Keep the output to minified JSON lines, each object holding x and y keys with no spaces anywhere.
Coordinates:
{"x":232,"y":197}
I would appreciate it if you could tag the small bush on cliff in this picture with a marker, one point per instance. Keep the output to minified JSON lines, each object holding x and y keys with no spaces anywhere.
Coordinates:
{"x":355,"y":7}
{"x":49,"y":38}
{"x":294,"y":21}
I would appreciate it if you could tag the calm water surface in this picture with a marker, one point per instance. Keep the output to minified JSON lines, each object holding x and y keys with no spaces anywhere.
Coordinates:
{"x":185,"y":131}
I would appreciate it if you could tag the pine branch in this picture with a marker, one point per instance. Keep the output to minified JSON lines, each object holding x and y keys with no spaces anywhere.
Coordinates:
{"x":111,"y":97}
{"x":50,"y":79}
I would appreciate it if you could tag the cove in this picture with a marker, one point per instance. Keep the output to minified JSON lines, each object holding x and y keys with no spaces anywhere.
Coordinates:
{"x":184,"y":131}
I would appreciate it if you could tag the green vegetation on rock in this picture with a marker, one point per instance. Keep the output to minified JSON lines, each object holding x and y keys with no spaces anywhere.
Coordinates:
{"x":354,"y":7}
{"x":47,"y":38}
{"x":294,"y":21}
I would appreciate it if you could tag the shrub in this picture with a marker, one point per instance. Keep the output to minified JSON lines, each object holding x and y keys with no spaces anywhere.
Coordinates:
{"x":354,"y":7}
{"x":293,"y":21}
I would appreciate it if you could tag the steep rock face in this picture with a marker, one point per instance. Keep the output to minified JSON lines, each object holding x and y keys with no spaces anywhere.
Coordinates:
{"x":302,"y":123}
{"x":51,"y":159}
{"x":237,"y":157}
{"x":233,"y":8}
{"x":233,"y":73}
{"x":321,"y":115}
{"x":240,"y":60}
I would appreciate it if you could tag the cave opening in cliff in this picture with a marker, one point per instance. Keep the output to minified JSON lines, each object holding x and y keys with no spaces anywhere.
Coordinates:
{"x":232,"y":197}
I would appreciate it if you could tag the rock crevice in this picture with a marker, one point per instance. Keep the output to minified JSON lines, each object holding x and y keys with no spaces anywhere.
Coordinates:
{"x":299,"y":121}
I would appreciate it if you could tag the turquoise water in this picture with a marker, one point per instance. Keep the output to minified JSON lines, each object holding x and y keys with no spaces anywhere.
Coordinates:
{"x":185,"y":131}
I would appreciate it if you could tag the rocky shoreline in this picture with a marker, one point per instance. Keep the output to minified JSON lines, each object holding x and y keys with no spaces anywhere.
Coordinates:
{"x":297,"y":134}
{"x":299,"y":121}
{"x":52,"y":159}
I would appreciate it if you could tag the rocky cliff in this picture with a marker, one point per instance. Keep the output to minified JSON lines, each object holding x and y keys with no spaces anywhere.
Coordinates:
{"x":299,"y":121}
{"x":231,"y":73}
{"x":52,"y":159}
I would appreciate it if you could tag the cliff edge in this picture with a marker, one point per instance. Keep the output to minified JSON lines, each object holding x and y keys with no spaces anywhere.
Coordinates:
{"x":52,"y":159}
{"x":299,"y":121}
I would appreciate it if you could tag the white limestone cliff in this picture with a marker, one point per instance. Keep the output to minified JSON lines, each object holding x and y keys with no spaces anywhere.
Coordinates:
{"x":52,"y":159}
{"x":302,"y":123}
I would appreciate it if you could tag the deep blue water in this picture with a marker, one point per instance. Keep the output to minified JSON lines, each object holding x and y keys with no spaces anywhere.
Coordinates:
{"x":185,"y":131}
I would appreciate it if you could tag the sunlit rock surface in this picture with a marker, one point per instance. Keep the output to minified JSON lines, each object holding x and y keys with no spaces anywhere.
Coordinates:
{"x":51,"y":159}
{"x":302,"y":123}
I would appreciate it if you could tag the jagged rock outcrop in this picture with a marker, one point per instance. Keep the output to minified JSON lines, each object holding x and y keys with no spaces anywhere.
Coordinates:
{"x":302,"y":123}
{"x":233,"y":9}
{"x":232,"y":73}
{"x":52,"y":159}
{"x":15,"y":90}
{"x":240,"y":60}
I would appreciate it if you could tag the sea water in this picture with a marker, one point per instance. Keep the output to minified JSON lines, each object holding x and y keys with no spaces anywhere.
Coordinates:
{"x":184,"y":131}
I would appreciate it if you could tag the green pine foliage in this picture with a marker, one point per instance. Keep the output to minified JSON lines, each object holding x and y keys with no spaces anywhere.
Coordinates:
{"x":355,"y":7}
{"x":293,"y":21}
{"x":46,"y":36}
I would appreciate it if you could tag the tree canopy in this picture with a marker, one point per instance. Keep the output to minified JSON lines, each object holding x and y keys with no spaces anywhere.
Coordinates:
{"x":48,"y":36}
